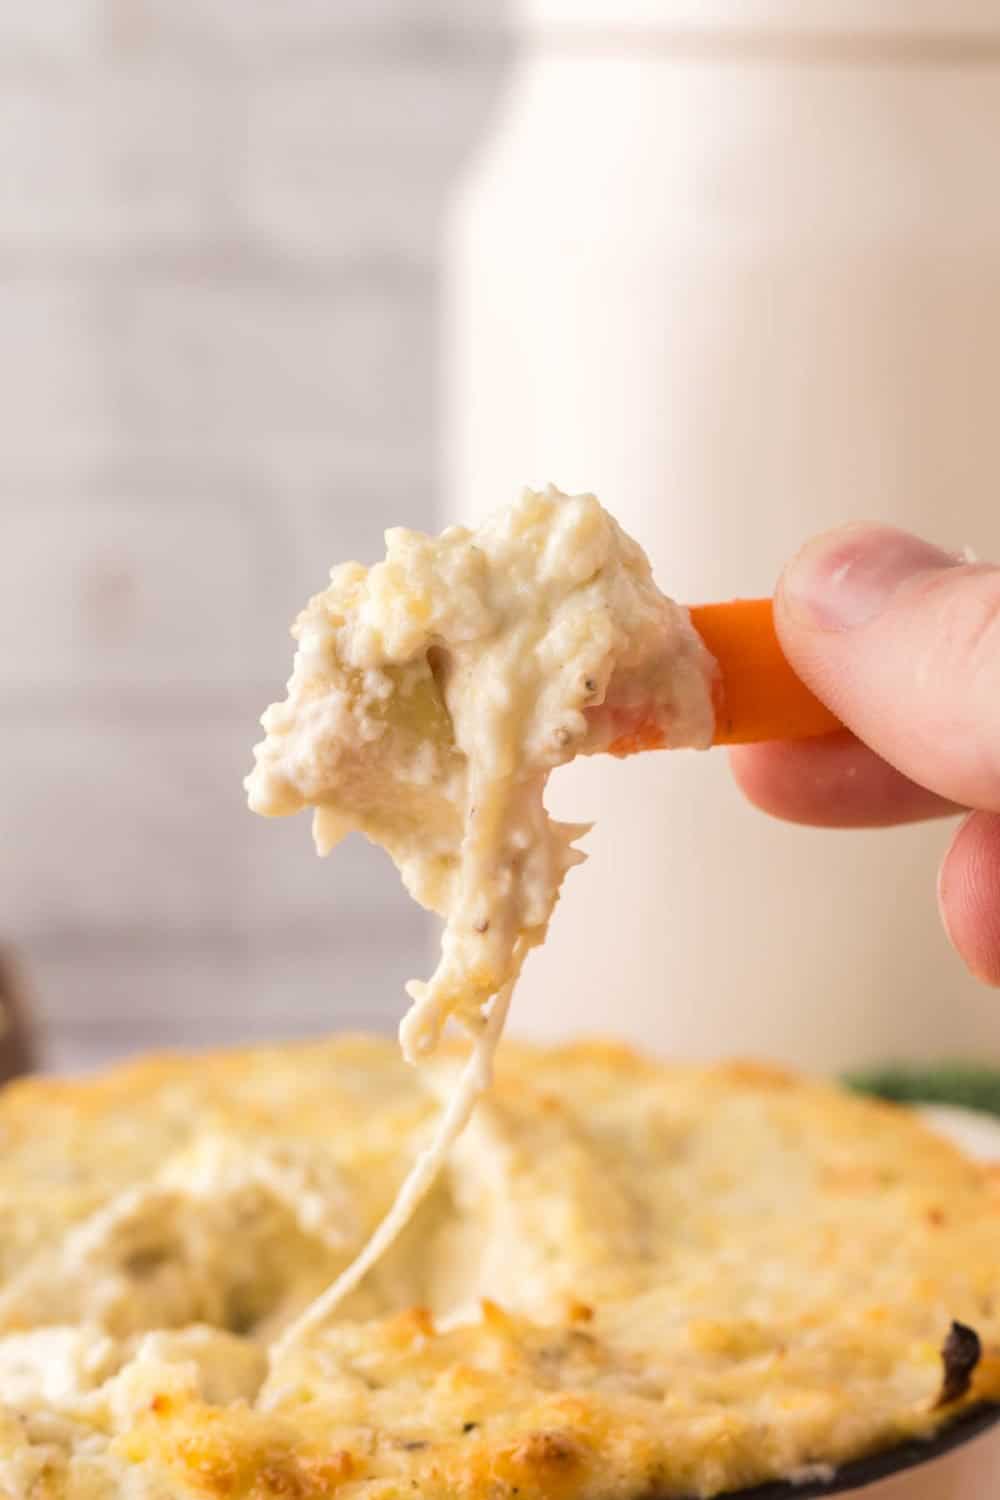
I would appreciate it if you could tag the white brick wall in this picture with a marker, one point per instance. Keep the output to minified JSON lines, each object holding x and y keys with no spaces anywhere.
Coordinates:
{"x":218,"y":238}
{"x":50,"y":30}
{"x":54,"y":384}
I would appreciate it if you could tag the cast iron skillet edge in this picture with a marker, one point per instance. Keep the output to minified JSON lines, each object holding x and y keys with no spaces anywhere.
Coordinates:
{"x":865,"y":1471}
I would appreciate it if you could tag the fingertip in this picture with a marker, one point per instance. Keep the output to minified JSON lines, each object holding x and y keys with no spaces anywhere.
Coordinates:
{"x":758,"y":772}
{"x":811,"y":782}
{"x":831,"y":782}
{"x":969,"y":895}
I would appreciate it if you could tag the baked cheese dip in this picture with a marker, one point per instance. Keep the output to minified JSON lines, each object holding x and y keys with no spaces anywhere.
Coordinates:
{"x":628,"y":1280}
{"x":290,"y":1273}
{"x":431,"y":697}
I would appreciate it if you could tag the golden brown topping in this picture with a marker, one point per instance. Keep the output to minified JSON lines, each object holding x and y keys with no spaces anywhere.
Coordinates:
{"x":661,"y":1282}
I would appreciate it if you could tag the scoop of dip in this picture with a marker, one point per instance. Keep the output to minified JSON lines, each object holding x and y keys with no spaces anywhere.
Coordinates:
{"x":433,"y":693}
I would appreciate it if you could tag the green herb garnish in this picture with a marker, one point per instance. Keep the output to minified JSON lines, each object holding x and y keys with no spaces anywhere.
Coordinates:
{"x":969,"y":1085}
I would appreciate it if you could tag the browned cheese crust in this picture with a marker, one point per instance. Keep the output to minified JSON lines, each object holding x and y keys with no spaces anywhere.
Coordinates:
{"x":632,"y":1278}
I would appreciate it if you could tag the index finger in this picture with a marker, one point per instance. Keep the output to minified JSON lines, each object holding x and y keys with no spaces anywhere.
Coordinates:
{"x":832,"y":782}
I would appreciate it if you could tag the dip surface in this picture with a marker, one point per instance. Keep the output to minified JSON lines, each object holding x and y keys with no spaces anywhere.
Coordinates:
{"x":694,"y":1279}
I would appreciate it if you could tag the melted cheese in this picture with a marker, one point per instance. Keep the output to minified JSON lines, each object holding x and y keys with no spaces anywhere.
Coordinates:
{"x":431,"y":697}
{"x":475,"y":1080}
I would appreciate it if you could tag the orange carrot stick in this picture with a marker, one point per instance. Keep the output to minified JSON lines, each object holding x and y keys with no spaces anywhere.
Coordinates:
{"x":759,"y":697}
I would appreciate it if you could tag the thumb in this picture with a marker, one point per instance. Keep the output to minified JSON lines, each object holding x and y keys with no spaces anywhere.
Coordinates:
{"x":902,"y":641}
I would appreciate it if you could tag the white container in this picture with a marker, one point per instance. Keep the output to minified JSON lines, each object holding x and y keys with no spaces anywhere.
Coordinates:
{"x":736,"y":268}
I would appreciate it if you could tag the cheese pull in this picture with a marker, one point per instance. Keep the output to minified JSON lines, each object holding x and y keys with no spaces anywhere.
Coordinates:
{"x":757,"y":694}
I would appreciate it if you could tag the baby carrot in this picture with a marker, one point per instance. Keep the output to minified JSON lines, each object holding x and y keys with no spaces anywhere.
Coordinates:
{"x":759,"y":696}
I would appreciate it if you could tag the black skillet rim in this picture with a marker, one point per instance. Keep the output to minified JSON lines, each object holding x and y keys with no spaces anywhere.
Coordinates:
{"x":884,"y":1465}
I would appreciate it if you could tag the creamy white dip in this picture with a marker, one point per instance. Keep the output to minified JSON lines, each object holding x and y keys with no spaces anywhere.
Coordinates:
{"x":431,"y":697}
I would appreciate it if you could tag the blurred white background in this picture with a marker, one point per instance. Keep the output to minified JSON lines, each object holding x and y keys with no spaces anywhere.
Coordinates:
{"x":219,"y":229}
{"x":735,"y":267}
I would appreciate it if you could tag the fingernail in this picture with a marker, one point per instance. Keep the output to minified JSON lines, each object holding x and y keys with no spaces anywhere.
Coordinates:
{"x":845,"y":578}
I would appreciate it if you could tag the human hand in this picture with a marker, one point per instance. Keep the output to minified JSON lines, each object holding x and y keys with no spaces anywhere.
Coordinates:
{"x":902,"y":641}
